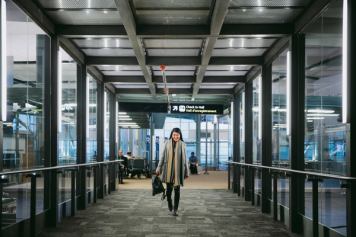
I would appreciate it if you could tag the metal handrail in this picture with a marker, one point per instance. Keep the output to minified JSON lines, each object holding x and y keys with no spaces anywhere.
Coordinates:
{"x":332,"y":176}
{"x":58,"y":167}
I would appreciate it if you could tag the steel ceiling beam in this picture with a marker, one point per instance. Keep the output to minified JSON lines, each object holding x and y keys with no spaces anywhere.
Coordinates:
{"x":188,"y":91}
{"x":175,"y":31}
{"x":175,"y":79}
{"x":91,"y":30}
{"x":174,"y":61}
{"x":129,"y":23}
{"x":220,"y":10}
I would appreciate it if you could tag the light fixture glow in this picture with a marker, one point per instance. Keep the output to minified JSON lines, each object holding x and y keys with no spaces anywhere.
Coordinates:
{"x":244,"y":10}
{"x":242,"y":43}
{"x":3,"y":62}
{"x":105,"y":12}
{"x":231,"y":43}
{"x":344,"y":62}
{"x":288,"y":82}
{"x":231,"y":68}
{"x":117,"y":43}
{"x":106,"y":43}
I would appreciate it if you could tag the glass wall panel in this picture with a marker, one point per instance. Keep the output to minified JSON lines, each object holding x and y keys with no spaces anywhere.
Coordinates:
{"x":207,"y":141}
{"x":256,"y":120}
{"x":186,"y":123}
{"x":134,"y":141}
{"x":224,"y":141}
{"x":106,"y":125}
{"x":280,"y":139}
{"x":67,"y":114}
{"x":27,"y":65}
{"x":332,"y":204}
{"x":326,"y":137}
{"x":92,"y":117}
{"x":27,"y":62}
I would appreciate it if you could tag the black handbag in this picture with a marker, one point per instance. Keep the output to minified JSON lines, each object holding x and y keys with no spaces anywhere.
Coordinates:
{"x":157,"y":187}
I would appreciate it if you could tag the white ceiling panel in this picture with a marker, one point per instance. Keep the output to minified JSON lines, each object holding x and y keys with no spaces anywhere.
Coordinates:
{"x":103,"y":43}
{"x":85,"y":17}
{"x":173,"y":43}
{"x":109,"y":52}
{"x":237,"y":52}
{"x":173,"y":52}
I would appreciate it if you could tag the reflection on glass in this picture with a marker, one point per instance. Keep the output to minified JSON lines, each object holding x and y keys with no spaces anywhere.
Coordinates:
{"x":326,"y":137}
{"x":256,"y":120}
{"x":67,"y":114}
{"x":332,"y":204}
{"x":224,"y":142}
{"x":64,"y":186}
{"x":280,"y":140}
{"x":92,"y":118}
{"x":106,"y":126}
{"x":23,"y":130}
{"x":16,"y":199}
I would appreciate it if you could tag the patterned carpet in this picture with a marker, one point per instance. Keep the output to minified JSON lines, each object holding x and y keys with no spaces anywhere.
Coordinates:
{"x":201,"y":213}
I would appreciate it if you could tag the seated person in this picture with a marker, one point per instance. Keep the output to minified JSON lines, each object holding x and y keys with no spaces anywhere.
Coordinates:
{"x":193,"y":163}
{"x":123,"y":166}
{"x":129,"y":155}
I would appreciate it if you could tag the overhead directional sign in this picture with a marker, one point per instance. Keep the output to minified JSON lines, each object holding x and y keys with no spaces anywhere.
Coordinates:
{"x":196,"y":108}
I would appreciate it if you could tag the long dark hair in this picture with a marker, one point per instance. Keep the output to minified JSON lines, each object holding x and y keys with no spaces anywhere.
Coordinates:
{"x":177,"y":130}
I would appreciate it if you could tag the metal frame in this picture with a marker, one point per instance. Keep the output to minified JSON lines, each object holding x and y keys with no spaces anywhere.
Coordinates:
{"x":351,"y":194}
{"x":248,"y":139}
{"x":81,"y":133}
{"x":296,"y":133}
{"x":128,"y":20}
{"x":100,"y":136}
{"x":266,"y":136}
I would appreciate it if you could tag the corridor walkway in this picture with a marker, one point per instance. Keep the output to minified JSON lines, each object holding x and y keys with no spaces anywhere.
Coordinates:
{"x":137,"y":213}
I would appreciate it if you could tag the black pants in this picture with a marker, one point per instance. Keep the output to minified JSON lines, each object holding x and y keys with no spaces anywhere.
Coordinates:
{"x":176,"y":196}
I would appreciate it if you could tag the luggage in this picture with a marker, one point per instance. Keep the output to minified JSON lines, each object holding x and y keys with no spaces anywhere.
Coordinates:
{"x":157,"y":186}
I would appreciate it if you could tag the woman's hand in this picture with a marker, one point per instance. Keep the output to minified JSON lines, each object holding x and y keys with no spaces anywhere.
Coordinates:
{"x":157,"y":172}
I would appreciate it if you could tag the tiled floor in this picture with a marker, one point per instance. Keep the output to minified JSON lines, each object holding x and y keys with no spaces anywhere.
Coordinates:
{"x":201,"y":213}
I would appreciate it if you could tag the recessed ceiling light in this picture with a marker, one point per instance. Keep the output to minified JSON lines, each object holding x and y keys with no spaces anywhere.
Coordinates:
{"x":260,"y":9}
{"x":87,"y":11}
{"x":105,"y":12}
{"x":244,"y":10}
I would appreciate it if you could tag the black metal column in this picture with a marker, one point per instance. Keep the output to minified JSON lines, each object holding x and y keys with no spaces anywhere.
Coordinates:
{"x":236,"y":143}
{"x":297,"y":132}
{"x":248,"y":138}
{"x":51,"y":140}
{"x":82,"y":134}
{"x":100,"y":137}
{"x":351,"y":75}
{"x":112,"y":140}
{"x":44,"y":55}
{"x":266,"y":136}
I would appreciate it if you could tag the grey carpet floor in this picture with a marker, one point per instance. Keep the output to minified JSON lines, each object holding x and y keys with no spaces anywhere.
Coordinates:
{"x":138,"y":213}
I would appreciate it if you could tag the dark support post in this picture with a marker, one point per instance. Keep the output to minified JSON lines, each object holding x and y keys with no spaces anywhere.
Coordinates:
{"x":266,"y":136}
{"x":351,"y":88}
{"x":275,"y":197}
{"x":253,"y":172}
{"x":33,"y":204}
{"x":72,"y":193}
{"x":315,"y":201}
{"x":51,"y":140}
{"x":248,"y":138}
{"x":95,"y":177}
{"x":2,"y":181}
{"x":100,"y":137}
{"x":81,"y":135}
{"x":198,"y":136}
{"x":236,"y":142}
{"x":112,"y":136}
{"x":297,"y":132}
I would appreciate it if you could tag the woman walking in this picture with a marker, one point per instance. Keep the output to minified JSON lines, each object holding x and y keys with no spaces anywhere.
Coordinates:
{"x":173,"y":167}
